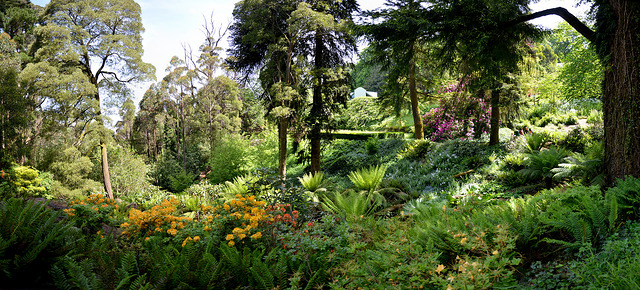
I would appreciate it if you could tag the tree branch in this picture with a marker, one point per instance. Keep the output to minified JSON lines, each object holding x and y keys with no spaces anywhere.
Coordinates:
{"x":562,"y":12}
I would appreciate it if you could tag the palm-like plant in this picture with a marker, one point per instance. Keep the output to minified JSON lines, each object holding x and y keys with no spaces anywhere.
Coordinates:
{"x":540,"y":164}
{"x":352,"y":205}
{"x":368,"y":179}
{"x":313,"y":182}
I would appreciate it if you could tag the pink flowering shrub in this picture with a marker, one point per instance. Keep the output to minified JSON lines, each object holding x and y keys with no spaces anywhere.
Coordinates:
{"x":460,"y":115}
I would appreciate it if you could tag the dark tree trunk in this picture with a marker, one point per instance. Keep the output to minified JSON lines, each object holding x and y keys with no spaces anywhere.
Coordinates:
{"x":621,"y":90}
{"x":415,"y":109}
{"x":495,"y":117}
{"x":317,"y":106}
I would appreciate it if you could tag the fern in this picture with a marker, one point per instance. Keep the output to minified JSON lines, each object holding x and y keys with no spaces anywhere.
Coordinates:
{"x":32,"y":239}
{"x":312,"y":181}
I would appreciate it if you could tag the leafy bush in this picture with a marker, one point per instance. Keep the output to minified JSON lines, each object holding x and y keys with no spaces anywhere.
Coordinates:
{"x":71,"y":171}
{"x":595,"y":117}
{"x":93,"y":212}
{"x":22,"y":181}
{"x":128,"y":171}
{"x":361,"y":114}
{"x":459,"y":115}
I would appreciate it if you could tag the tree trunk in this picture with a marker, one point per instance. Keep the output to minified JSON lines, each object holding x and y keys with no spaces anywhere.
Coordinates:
{"x":105,"y":167}
{"x":103,"y":145}
{"x":415,"y":109}
{"x":495,"y":117}
{"x":621,"y":92}
{"x":283,"y":124}
{"x":316,"y":107}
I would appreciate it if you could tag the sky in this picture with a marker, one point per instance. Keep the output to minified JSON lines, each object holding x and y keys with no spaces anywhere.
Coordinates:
{"x":170,"y":25}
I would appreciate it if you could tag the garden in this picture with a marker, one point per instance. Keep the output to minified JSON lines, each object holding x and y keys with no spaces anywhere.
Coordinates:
{"x":474,"y":167}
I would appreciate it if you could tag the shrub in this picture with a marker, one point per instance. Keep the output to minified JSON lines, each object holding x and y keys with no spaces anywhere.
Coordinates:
{"x":22,"y":181}
{"x":71,"y":171}
{"x":93,"y":212}
{"x":128,"y":171}
{"x":541,"y":164}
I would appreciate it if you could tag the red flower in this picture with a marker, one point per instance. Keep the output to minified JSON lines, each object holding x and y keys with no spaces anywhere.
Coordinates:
{"x":310,"y":224}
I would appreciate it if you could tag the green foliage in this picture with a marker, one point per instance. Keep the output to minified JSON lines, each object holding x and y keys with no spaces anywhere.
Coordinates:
{"x":582,"y":73}
{"x":129,"y":173}
{"x":540,"y":164}
{"x":615,"y":265}
{"x":32,"y":240}
{"x":595,"y":117}
{"x":416,"y":150}
{"x":234,"y":156}
{"x":312,"y":181}
{"x":627,"y":194}
{"x":361,"y":113}
{"x":367,"y":179}
{"x":23,"y":181}
{"x":589,"y":167}
{"x":353,"y":205}
{"x":71,"y":171}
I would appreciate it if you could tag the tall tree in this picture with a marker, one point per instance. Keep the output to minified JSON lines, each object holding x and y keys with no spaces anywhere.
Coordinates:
{"x":325,"y":26}
{"x":395,"y":36}
{"x":13,"y":104}
{"x":219,"y":97}
{"x":617,"y":41}
{"x":102,"y":39}
{"x":262,"y":41}
{"x":475,"y":40}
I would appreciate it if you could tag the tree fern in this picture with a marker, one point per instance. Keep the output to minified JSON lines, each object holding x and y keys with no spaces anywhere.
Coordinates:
{"x":368,"y":178}
{"x":353,"y":204}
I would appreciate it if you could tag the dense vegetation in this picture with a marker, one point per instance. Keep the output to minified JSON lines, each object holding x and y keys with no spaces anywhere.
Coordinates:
{"x":230,"y":174}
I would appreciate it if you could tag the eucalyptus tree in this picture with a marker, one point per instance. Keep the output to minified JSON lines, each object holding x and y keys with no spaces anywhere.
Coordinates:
{"x":99,"y":42}
{"x":219,"y":97}
{"x":396,"y":35}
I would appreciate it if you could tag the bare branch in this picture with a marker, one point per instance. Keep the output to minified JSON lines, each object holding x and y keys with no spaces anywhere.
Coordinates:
{"x":562,"y":12}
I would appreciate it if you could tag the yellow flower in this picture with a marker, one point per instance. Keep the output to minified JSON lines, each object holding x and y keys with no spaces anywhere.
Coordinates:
{"x":241,"y":236}
{"x":463,"y":241}
{"x":257,"y":235}
{"x":495,"y":252}
{"x":231,"y":243}
{"x":440,"y":268}
{"x":230,"y":237}
{"x":196,"y":238}
{"x":184,"y":243}
{"x":226,"y":207}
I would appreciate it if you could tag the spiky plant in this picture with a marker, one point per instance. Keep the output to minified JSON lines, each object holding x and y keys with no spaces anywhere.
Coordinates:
{"x":352,"y":205}
{"x":312,"y":182}
{"x":368,"y":179}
